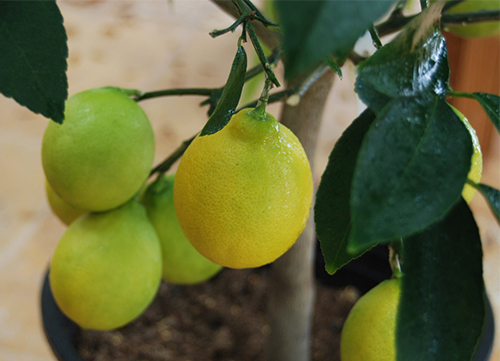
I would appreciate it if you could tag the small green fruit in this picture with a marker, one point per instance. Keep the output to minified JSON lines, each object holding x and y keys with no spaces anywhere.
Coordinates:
{"x":107,"y":267}
{"x":182,"y":263}
{"x":102,"y":153}
{"x":62,"y":209}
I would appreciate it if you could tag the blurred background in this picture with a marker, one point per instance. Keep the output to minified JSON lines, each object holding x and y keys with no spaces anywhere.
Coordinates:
{"x":152,"y":45}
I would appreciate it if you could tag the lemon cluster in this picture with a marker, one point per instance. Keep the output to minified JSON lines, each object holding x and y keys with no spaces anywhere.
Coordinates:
{"x":122,"y":234}
{"x":240,"y":199}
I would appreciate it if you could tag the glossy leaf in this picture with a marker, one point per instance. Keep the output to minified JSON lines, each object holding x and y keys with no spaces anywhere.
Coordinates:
{"x":441,"y":311}
{"x":491,"y":105}
{"x":423,"y":72}
{"x":33,"y":54}
{"x":230,"y":95}
{"x":315,"y":29}
{"x":492,"y":196}
{"x":411,"y":169}
{"x":332,"y":208}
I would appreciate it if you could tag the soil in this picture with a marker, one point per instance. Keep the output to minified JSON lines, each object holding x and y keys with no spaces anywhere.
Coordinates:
{"x":220,"y":320}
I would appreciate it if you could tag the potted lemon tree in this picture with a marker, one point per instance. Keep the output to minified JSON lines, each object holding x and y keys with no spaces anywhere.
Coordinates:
{"x":400,"y":176}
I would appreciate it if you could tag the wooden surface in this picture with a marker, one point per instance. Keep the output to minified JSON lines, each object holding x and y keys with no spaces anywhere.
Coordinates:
{"x":148,"y":45}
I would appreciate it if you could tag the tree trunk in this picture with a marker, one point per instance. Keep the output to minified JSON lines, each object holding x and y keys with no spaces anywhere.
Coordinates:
{"x":291,"y":290}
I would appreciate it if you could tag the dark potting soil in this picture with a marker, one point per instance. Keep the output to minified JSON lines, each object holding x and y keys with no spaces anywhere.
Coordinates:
{"x":220,"y":320}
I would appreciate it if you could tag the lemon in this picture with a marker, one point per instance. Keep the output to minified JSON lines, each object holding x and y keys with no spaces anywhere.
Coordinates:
{"x":369,"y":332}
{"x":478,"y":30}
{"x":106,"y":268}
{"x":62,"y":209}
{"x":102,"y":153}
{"x":242,"y":195}
{"x":476,"y":168}
{"x":182,"y":263}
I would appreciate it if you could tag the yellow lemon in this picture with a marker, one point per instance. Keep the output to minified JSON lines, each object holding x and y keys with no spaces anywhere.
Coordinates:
{"x":369,"y":330}
{"x":243,"y":194}
{"x":476,"y":168}
{"x":102,"y":153}
{"x":182,"y":263}
{"x":62,"y":209}
{"x":106,"y":268}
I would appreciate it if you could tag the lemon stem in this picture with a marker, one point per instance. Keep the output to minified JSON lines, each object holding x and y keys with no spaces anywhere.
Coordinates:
{"x":260,"y":109}
{"x":394,"y":258}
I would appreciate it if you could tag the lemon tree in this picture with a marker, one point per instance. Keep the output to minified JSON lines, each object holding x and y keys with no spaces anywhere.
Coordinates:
{"x":243,"y":194}
{"x":369,"y":332}
{"x":182,"y":263}
{"x":107,"y":267}
{"x":396,"y":175}
{"x":102,"y":153}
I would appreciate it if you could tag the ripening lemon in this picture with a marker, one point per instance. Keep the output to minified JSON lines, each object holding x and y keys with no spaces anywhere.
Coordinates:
{"x":62,"y":209}
{"x":106,"y":268}
{"x":476,"y":161}
{"x":369,"y":332}
{"x":182,"y":263}
{"x":477,"y":30}
{"x":102,"y":153}
{"x":243,"y":194}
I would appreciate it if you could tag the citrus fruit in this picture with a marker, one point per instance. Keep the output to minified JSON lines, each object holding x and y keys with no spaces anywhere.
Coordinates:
{"x":369,"y":330}
{"x":62,"y":209}
{"x":182,"y":263}
{"x":476,"y":161}
{"x":102,"y":153}
{"x":106,"y":268}
{"x":477,"y":30}
{"x":242,"y":195}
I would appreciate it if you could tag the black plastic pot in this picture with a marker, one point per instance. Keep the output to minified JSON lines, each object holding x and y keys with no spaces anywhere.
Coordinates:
{"x":363,"y":273}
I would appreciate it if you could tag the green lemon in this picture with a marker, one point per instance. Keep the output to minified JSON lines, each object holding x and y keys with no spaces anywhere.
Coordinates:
{"x":242,"y":195}
{"x":102,"y":153}
{"x":182,"y":263}
{"x":478,"y":30}
{"x":476,"y":168}
{"x":369,"y":330}
{"x":62,"y":209}
{"x":106,"y":268}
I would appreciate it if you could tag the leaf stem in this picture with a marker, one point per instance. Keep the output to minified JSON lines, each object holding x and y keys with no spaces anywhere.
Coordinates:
{"x":375,"y":38}
{"x":231,"y":28}
{"x":461,"y":94}
{"x":169,"y":92}
{"x":167,"y":163}
{"x":260,"y":53}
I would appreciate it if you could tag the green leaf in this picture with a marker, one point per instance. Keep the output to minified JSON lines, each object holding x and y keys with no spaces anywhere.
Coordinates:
{"x":491,"y":105}
{"x":334,"y":66}
{"x":422,"y":71}
{"x":411,"y":169}
{"x":315,"y":29}
{"x":230,"y":95}
{"x":441,"y":311}
{"x":332,"y":209}
{"x":492,"y":196}
{"x":33,"y":54}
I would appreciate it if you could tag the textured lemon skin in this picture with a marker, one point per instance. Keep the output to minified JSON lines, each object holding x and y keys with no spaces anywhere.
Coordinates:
{"x":102,"y":153}
{"x":182,"y":263}
{"x":243,"y":194}
{"x":369,"y":330}
{"x":62,"y":209}
{"x":479,"y":30}
{"x":476,"y":168}
{"x":106,"y":268}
